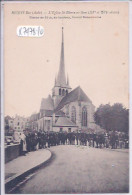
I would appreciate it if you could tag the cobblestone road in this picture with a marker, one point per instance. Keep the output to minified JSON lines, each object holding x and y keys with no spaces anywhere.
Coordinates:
{"x":81,"y":170}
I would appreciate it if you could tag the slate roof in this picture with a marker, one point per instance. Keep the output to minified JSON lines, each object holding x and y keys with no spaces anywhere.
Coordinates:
{"x":61,"y":78}
{"x":47,"y":103}
{"x":75,"y":95}
{"x":60,"y":113}
{"x":64,"y":122}
{"x":8,"y":117}
{"x":49,"y":113}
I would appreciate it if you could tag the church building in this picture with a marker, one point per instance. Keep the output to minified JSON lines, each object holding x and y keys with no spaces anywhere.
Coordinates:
{"x":66,"y":110}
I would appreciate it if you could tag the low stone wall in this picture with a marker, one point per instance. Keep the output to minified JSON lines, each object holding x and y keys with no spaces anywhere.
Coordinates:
{"x":11,"y":152}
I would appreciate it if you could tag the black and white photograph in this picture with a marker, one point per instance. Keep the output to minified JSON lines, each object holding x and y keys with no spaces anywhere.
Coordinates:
{"x":66,"y":97}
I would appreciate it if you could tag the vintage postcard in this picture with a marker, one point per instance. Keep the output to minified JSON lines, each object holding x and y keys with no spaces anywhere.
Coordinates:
{"x":66,"y":97}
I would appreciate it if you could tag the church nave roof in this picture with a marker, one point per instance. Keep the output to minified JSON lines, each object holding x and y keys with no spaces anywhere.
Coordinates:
{"x":64,"y":122}
{"x":75,"y":95}
{"x":47,"y":103}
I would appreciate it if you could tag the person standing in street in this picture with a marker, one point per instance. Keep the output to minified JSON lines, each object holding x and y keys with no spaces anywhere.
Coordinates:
{"x":23,"y":144}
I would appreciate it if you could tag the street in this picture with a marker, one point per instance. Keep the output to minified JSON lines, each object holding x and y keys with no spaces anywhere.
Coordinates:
{"x":81,"y":169}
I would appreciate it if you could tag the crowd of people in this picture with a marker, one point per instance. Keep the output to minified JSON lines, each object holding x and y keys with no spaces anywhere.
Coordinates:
{"x":31,"y":141}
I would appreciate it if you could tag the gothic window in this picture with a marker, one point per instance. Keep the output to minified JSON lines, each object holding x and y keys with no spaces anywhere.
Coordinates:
{"x":67,"y":110}
{"x":61,"y":129}
{"x":84,"y":116}
{"x":73,"y":114}
{"x":69,"y":130}
{"x":59,"y":91}
{"x":47,"y":125}
{"x":63,"y":92}
{"x":53,"y":93}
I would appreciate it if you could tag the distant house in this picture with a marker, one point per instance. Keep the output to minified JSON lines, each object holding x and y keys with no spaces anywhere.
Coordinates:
{"x":8,"y":123}
{"x":18,"y":123}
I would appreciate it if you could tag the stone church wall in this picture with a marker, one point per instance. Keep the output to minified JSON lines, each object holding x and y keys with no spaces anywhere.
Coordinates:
{"x":42,"y":124}
{"x":90,"y":112}
{"x":66,"y":129}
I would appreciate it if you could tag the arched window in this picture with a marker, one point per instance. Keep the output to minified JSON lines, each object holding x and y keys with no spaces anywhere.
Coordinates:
{"x":63,"y":92}
{"x":73,"y":114}
{"x":67,"y":110}
{"x":84,"y":116}
{"x":59,"y":91}
{"x":53,"y":93}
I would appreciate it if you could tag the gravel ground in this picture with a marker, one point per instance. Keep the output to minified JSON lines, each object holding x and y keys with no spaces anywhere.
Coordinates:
{"x":81,"y":170}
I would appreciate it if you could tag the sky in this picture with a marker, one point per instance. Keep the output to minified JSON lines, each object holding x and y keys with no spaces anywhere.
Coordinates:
{"x":95,"y":49}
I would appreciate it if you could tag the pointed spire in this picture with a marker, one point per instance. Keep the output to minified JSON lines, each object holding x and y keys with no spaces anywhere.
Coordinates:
{"x":67,"y":80}
{"x":55,"y":81}
{"x":62,"y":35}
{"x":61,"y":79}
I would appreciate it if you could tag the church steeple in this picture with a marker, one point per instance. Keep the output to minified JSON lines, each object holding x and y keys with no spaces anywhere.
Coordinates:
{"x":61,"y":78}
{"x":67,"y":80}
{"x":55,"y":81}
{"x":61,"y":87}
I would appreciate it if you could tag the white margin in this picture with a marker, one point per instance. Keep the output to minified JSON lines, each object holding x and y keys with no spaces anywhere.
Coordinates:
{"x":2,"y":100}
{"x":2,"y":85}
{"x":130,"y":96}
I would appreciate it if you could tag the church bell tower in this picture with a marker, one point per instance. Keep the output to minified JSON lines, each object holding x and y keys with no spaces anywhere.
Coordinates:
{"x":61,"y":87}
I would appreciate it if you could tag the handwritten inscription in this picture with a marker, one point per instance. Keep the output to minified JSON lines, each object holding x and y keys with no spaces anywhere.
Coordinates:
{"x":30,"y":31}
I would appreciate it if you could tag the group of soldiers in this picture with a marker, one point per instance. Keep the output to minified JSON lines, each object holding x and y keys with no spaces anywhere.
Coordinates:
{"x":39,"y":140}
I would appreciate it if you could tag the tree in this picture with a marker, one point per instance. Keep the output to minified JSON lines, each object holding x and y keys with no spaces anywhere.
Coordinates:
{"x":114,"y":117}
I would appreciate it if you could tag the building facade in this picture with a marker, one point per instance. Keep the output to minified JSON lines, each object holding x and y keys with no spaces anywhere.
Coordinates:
{"x":66,"y":110}
{"x":17,"y":124}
